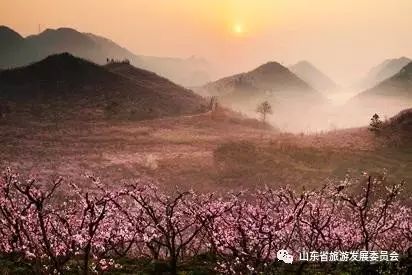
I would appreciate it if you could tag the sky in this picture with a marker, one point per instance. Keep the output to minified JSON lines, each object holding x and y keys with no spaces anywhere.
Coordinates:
{"x":344,"y":38}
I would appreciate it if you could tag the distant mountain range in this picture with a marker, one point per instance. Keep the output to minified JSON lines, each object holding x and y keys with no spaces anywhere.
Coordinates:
{"x":267,"y":81}
{"x":313,"y":76}
{"x":383,"y":71}
{"x":16,"y":51}
{"x":70,"y":87}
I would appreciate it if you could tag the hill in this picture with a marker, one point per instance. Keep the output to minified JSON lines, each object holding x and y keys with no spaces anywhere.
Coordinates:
{"x":69,"y":87}
{"x":287,"y":94}
{"x":383,"y":71}
{"x":313,"y":76}
{"x":398,"y":129}
{"x":271,"y":81}
{"x":23,"y":51}
{"x":268,"y":79}
{"x":403,"y":120}
{"x":386,"y":99}
{"x":397,"y":86}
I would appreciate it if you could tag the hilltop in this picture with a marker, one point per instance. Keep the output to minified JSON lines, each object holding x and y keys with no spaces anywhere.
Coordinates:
{"x":269,"y":79}
{"x":72,"y":87}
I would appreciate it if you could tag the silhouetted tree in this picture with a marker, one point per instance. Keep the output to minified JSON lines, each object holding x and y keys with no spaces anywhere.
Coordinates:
{"x":375,"y":124}
{"x":264,"y":109}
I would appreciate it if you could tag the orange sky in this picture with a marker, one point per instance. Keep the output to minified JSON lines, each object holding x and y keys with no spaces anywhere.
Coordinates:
{"x":342,"y":37}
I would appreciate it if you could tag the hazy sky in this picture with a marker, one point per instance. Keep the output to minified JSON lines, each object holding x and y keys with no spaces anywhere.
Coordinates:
{"x":344,"y":38}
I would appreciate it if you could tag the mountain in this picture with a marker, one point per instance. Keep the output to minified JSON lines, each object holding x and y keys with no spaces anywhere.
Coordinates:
{"x":295,"y":105}
{"x":268,"y":80}
{"x":21,"y":51}
{"x":69,"y":40}
{"x":14,"y":50}
{"x":313,"y":76}
{"x":383,"y":71}
{"x":385,"y":99}
{"x":72,"y":88}
{"x":397,"y":86}
{"x":8,"y":40}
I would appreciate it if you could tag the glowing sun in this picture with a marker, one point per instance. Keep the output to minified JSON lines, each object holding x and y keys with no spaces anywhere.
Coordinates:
{"x":238,"y":29}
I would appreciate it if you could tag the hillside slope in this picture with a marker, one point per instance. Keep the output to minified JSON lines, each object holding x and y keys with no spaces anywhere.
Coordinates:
{"x":75,"y":88}
{"x":398,"y":129}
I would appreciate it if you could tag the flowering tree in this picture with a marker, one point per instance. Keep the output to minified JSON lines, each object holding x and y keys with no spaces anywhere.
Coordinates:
{"x":374,"y":214}
{"x":89,"y":231}
{"x":248,"y":236}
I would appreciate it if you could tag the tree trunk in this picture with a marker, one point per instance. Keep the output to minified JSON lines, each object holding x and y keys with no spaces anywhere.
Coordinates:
{"x":86,"y":259}
{"x":173,"y":264}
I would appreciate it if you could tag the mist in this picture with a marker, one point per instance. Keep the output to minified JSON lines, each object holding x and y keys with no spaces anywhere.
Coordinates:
{"x":343,"y":39}
{"x":340,"y":112}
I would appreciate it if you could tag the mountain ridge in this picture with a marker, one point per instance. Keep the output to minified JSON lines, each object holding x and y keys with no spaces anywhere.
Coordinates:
{"x":383,"y":71}
{"x":188,"y":72}
{"x":399,"y":84}
{"x":313,"y":76}
{"x":69,"y":85}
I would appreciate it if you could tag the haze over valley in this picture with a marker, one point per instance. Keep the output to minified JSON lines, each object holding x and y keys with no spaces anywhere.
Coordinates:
{"x":72,"y":77}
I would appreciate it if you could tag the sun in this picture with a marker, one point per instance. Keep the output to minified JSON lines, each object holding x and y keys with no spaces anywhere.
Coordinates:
{"x":238,"y":29}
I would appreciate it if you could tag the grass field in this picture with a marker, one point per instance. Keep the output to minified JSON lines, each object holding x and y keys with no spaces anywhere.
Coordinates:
{"x":200,"y":152}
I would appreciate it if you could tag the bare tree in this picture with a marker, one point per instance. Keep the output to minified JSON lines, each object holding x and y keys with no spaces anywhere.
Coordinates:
{"x":213,"y":103}
{"x":264,"y":109}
